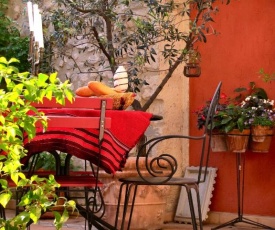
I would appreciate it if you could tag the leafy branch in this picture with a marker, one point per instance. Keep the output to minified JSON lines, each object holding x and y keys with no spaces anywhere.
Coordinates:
{"x":18,"y":91}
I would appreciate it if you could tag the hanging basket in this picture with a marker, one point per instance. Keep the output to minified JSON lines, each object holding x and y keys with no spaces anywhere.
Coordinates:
{"x":237,"y":141}
{"x":261,"y":137}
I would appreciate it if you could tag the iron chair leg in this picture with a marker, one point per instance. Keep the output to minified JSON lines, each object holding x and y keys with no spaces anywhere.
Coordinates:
{"x":191,"y":205}
{"x":127,"y":188}
{"x":133,"y":204}
{"x":196,"y":188}
{"x":118,"y":203}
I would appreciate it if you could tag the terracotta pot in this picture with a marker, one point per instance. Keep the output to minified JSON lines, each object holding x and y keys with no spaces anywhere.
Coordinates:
{"x":237,"y":141}
{"x":218,"y":142}
{"x":149,"y":198}
{"x":261,"y":138}
{"x":259,"y":132}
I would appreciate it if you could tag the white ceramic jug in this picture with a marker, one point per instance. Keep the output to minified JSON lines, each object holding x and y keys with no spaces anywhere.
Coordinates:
{"x":121,"y":79}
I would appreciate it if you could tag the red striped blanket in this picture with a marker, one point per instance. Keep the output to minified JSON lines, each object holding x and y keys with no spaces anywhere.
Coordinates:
{"x":127,"y":127}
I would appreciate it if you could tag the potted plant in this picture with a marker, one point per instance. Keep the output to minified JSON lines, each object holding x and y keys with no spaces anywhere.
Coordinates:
{"x":262,"y":120}
{"x":218,"y":143}
{"x":233,"y":121}
{"x":192,"y":67}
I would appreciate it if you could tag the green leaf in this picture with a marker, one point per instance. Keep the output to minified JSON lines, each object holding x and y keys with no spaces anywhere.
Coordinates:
{"x":35,"y":213}
{"x":22,"y":219}
{"x":25,"y":200}
{"x":13,"y":60}
{"x":59,"y":220}
{"x":53,"y":77}
{"x":5,"y":198}
{"x":3,"y":183}
{"x":2,"y":157}
{"x":2,"y":119}
{"x":42,"y":78}
{"x":14,"y":177}
{"x":4,"y":60}
{"x":69,"y":95}
{"x":240,"y":89}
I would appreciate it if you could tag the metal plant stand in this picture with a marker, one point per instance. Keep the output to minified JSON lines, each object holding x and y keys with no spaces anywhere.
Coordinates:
{"x":240,"y":163}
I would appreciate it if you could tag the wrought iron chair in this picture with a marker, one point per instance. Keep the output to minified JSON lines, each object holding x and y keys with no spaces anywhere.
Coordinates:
{"x":161,"y":170}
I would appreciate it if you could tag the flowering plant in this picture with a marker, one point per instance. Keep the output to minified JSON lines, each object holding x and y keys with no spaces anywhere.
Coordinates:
{"x":249,"y":107}
{"x":232,"y":117}
{"x":260,"y":111}
{"x":202,"y":111}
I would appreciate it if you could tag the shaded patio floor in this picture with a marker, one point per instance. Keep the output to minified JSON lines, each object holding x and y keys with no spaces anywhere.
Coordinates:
{"x":78,"y":223}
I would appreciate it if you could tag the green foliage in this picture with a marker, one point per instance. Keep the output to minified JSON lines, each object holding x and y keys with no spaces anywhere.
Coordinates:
{"x":249,"y":106}
{"x":252,"y":90}
{"x":12,"y":44}
{"x":266,"y":77}
{"x":46,"y":161}
{"x":232,"y":117}
{"x":19,"y":91}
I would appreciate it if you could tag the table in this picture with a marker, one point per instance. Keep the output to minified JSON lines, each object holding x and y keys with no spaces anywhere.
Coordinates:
{"x":126,"y":130}
{"x":127,"y":127}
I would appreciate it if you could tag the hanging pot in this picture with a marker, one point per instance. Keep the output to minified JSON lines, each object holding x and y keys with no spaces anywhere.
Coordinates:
{"x":237,"y":141}
{"x":261,"y":137}
{"x":259,"y":132}
{"x":192,"y":70}
{"x":218,"y":142}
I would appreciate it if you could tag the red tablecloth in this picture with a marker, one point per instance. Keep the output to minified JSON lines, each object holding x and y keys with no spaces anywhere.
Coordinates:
{"x":126,"y":129}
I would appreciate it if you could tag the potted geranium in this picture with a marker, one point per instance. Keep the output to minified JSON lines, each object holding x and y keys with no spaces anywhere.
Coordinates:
{"x":262,"y":120}
{"x":218,"y":143}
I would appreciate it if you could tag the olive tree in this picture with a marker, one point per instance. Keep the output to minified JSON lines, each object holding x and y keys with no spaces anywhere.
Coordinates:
{"x":132,"y":32}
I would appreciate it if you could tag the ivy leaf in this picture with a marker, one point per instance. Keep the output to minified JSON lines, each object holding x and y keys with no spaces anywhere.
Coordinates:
{"x":2,"y":119}
{"x":3,"y":183}
{"x":13,"y":60}
{"x":69,"y":95}
{"x":14,"y":177}
{"x":35,"y":213}
{"x":4,"y":60}
{"x":59,"y":220}
{"x":25,"y":200}
{"x":41,"y":81}
{"x":53,"y":77}
{"x":5,"y":198}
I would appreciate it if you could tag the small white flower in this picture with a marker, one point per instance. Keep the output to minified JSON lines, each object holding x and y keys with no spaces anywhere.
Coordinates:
{"x":247,"y":98}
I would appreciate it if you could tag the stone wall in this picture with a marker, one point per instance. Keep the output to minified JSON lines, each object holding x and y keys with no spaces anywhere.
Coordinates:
{"x":172,"y":103}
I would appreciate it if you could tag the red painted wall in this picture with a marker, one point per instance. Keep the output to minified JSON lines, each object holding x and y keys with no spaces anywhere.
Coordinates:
{"x":246,"y":43}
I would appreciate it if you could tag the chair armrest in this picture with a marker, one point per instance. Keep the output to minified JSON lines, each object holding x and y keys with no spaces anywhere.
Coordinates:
{"x":162,"y":165}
